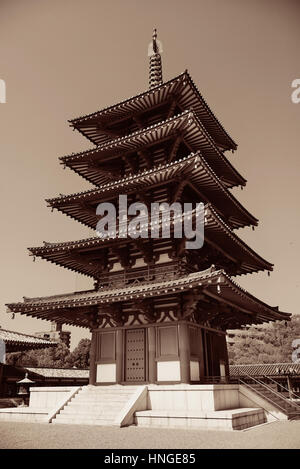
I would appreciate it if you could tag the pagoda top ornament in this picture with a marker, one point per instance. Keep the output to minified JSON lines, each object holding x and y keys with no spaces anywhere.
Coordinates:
{"x":155,"y":66}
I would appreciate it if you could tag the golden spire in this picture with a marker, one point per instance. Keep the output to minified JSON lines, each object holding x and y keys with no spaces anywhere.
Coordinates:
{"x":155,"y":68}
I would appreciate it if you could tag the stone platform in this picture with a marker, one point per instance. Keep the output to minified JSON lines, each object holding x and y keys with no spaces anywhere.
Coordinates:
{"x":233,"y":419}
{"x":222,"y":406}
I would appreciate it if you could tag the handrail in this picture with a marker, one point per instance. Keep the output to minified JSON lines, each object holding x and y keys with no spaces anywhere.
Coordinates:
{"x":270,"y":389}
{"x":261,"y":394}
{"x":283,"y":387}
{"x":146,"y":273}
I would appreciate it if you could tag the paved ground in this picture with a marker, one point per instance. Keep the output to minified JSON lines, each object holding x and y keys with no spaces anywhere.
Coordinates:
{"x":44,"y":436}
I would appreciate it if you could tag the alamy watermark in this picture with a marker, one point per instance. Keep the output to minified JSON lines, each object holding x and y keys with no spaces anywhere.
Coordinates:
{"x":2,"y":91}
{"x":295,"y":96}
{"x":296,"y":351}
{"x":155,"y":220}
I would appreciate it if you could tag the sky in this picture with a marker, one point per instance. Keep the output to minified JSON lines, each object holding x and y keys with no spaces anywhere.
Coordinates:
{"x":64,"y":58}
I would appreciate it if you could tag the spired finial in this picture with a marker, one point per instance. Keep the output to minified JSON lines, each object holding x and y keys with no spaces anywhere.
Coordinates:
{"x":154,"y":37}
{"x":155,"y":67}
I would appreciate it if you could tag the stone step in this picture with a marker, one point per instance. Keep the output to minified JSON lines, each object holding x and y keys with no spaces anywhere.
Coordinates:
{"x":83,"y":421}
{"x":100,"y":401}
{"x":108,"y":391}
{"x":89,"y":415}
{"x":97,"y":403}
{"x":104,"y":396}
{"x":75,"y":409}
{"x":95,"y":406}
{"x":233,"y":419}
{"x":88,"y":411}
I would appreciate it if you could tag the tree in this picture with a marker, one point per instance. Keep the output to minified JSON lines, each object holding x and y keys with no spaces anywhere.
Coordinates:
{"x":53,"y":357}
{"x":272,"y":343}
{"x":80,"y":357}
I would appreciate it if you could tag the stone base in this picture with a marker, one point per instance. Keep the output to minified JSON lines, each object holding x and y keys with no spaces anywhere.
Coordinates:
{"x":204,"y":397}
{"x":234,"y":419}
{"x":24,"y":414}
{"x":223,"y":406}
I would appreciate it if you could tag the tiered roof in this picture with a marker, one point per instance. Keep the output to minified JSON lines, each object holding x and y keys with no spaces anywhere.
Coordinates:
{"x":69,"y":308}
{"x":98,"y":126}
{"x":186,"y":124}
{"x":217,"y":233}
{"x":194,"y":169}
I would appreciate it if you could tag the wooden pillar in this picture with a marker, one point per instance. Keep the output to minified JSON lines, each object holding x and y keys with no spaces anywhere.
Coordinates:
{"x":202,"y":355}
{"x":93,"y":367}
{"x":119,"y":356}
{"x":184,"y":352}
{"x":152,"y":355}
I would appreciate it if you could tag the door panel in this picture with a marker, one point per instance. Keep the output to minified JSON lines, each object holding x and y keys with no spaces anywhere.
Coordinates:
{"x":135,"y":355}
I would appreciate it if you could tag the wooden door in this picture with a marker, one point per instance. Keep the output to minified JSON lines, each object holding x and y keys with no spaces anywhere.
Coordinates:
{"x":135,"y":363}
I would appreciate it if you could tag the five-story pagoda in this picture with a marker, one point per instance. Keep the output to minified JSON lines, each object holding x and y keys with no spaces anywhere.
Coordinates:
{"x":159,"y":311}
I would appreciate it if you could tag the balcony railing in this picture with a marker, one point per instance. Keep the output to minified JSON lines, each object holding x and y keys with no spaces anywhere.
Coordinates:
{"x":148,"y":274}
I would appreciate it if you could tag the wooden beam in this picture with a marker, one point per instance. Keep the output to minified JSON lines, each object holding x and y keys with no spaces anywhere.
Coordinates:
{"x":179,"y":189}
{"x":132,"y":163}
{"x":107,"y":131}
{"x":174,"y":148}
{"x":146,"y":157}
{"x":172,"y":108}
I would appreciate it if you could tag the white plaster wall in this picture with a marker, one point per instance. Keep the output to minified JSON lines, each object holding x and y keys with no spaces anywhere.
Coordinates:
{"x":106,"y":373}
{"x":48,"y":397}
{"x":195,"y":371}
{"x":193,"y":397}
{"x":163,"y":258}
{"x":140,"y":262}
{"x":168,"y":371}
{"x":226,"y":398}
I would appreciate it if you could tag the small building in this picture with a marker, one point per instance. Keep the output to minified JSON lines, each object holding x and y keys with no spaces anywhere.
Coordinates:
{"x":18,"y":342}
{"x":56,"y":334}
{"x":286,"y":374}
{"x":42,"y":377}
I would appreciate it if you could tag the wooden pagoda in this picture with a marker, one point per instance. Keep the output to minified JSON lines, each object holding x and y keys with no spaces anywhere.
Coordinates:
{"x":158,"y":312}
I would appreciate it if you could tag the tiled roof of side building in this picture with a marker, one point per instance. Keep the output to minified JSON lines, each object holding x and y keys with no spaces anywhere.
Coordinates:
{"x":263,"y":369}
{"x":12,"y":337}
{"x":59,"y":372}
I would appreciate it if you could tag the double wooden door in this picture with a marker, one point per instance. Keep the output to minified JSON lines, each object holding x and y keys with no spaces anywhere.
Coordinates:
{"x":135,"y":355}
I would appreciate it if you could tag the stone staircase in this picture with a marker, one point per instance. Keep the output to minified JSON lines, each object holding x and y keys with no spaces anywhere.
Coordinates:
{"x":96,"y":405}
{"x":269,"y":392}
